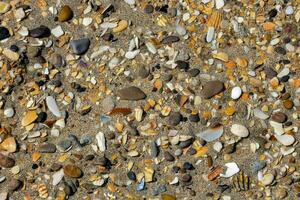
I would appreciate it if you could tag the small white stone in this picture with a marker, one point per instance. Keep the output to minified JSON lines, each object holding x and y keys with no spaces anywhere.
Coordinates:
{"x":289,"y":10}
{"x":290,"y":47}
{"x":278,"y":128}
{"x":219,"y":4}
{"x":218,"y":146}
{"x":132,"y":54}
{"x":284,"y":72}
{"x":23,"y":31}
{"x":130,"y":2}
{"x":286,"y":140}
{"x":267,"y":179}
{"x":174,"y":181}
{"x":57,"y":177}
{"x":239,"y":130}
{"x":275,"y":41}
{"x":52,"y":106}
{"x":101,"y":141}
{"x":19,"y":14}
{"x":186,"y":16}
{"x":15,"y":170}
{"x":9,"y":112}
{"x":57,"y":31}
{"x":87,"y":21}
{"x":236,"y":92}
{"x":210,"y":34}
{"x":232,"y":169}
{"x":151,"y":47}
{"x":180,"y":30}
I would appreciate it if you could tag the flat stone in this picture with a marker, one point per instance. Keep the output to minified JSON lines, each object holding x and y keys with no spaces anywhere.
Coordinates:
{"x":182,"y":65}
{"x":143,"y":72}
{"x":14,"y":185}
{"x":40,"y":32}
{"x":57,"y":60}
{"x":174,"y":118}
{"x":212,"y":88}
{"x":80,"y":46}
{"x":193,"y":72}
{"x":6,"y":161}
{"x":168,"y":156}
{"x":65,"y":14}
{"x":239,"y":130}
{"x":279,"y":117}
{"x":72,"y":171}
{"x":131,"y":93}
{"x":47,"y":148}
{"x":11,"y":55}
{"x":4,"y":32}
{"x":149,"y":9}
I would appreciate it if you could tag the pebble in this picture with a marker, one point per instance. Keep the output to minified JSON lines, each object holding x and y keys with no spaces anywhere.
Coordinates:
{"x":168,"y":156}
{"x":108,"y":104}
{"x":267,"y":179}
{"x":260,"y":114}
{"x":4,"y":33}
{"x":14,"y":185}
{"x":57,"y":60}
{"x":9,"y":112}
{"x":289,"y":10}
{"x":212,"y":88}
{"x":236,"y":92}
{"x":65,"y":14}
{"x":72,"y":171}
{"x":182,"y":65}
{"x":101,"y":141}
{"x":219,"y":4}
{"x":180,"y":30}
{"x":149,"y":9}
{"x":80,"y":46}
{"x":174,"y":118}
{"x":170,"y":39}
{"x":211,"y":134}
{"x":131,"y":175}
{"x":131,"y":93}
{"x":258,"y":165}
{"x":6,"y":161}
{"x":193,"y":72}
{"x":239,"y":130}
{"x":279,"y":117}
{"x":57,"y":177}
{"x":40,"y":32}
{"x":286,"y":140}
{"x":52,"y":106}
{"x":288,"y":104}
{"x":4,"y":7}
{"x":57,"y":31}
{"x":217,"y":146}
{"x":47,"y":148}
{"x":64,"y":145}
{"x":143,"y":72}
{"x":11,"y":55}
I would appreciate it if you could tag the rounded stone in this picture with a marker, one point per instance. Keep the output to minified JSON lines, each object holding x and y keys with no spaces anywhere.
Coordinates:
{"x":9,"y":112}
{"x":4,"y":33}
{"x":236,"y":92}
{"x":279,"y":117}
{"x":72,"y":171}
{"x":239,"y":130}
{"x":168,"y":156}
{"x":174,"y":118}
{"x":288,"y":104}
{"x":149,"y":9}
{"x":267,"y":179}
{"x":212,"y":88}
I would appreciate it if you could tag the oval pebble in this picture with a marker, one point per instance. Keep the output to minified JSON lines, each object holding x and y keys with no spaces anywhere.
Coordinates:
{"x":286,"y":140}
{"x":267,"y":179}
{"x":239,"y":130}
{"x":236,"y":92}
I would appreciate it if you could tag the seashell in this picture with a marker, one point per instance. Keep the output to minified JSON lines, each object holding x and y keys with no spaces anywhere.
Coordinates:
{"x":214,"y":19}
{"x":122,"y":25}
{"x":232,"y":169}
{"x":9,"y":144}
{"x":211,"y":134}
{"x":52,"y":106}
{"x":29,"y":117}
{"x":215,"y":173}
{"x":286,"y":140}
{"x":239,"y":130}
{"x":267,"y":179}
{"x":43,"y":192}
{"x":260,"y":114}
{"x":101,"y":141}
{"x":210,"y":34}
{"x":241,"y":182}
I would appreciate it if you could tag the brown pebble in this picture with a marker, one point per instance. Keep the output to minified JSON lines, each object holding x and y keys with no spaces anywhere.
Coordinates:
{"x":6,"y":162}
{"x":288,"y":104}
{"x":279,"y":117}
{"x":65,"y":14}
{"x":168,"y":156}
{"x":186,"y":178}
{"x":72,"y":171}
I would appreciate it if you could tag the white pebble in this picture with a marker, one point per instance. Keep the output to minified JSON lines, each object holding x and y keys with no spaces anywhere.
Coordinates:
{"x":210,"y":34}
{"x":9,"y":112}
{"x":219,"y":4}
{"x":267,"y":179}
{"x":57,"y":31}
{"x":289,"y":10}
{"x":286,"y":140}
{"x":236,"y":92}
{"x":239,"y":130}
{"x":130,"y":2}
{"x":101,"y":141}
{"x":218,"y":146}
{"x":87,"y":21}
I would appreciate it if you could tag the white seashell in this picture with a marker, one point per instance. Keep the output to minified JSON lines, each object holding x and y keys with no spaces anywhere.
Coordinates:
{"x":284,"y":72}
{"x":286,"y":151}
{"x":210,"y":34}
{"x":99,"y":182}
{"x":286,"y":140}
{"x":52,"y":106}
{"x":57,"y":31}
{"x":57,"y":177}
{"x":219,"y":4}
{"x":236,"y":92}
{"x":174,"y":181}
{"x":260,"y":114}
{"x":151,"y":47}
{"x":23,"y":31}
{"x":132,"y":54}
{"x":101,"y":141}
{"x":211,"y":134}
{"x":218,"y":146}
{"x":180,"y":30}
{"x":34,"y":134}
{"x":232,"y":169}
{"x":9,"y":112}
{"x":106,"y":25}
{"x":239,"y":130}
{"x":278,"y":128}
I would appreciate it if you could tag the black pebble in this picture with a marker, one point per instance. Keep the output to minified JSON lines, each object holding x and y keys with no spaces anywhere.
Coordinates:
{"x":4,"y":33}
{"x":42,"y":116}
{"x":131,"y":175}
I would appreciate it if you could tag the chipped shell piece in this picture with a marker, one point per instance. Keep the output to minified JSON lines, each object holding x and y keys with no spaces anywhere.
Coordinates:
{"x":29,"y":117}
{"x":122,"y":25}
{"x":239,"y":130}
{"x":52,"y":106}
{"x":211,"y":134}
{"x":9,"y":144}
{"x":285,"y":139}
{"x":232,"y":169}
{"x":101,"y":141}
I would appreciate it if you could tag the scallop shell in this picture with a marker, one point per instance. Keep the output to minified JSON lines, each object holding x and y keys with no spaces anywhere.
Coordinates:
{"x":241,"y":182}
